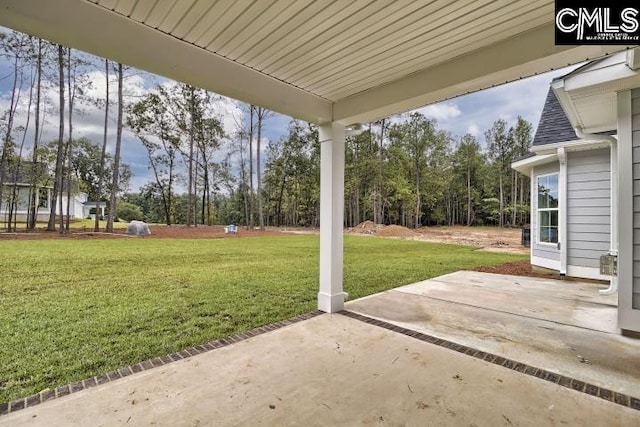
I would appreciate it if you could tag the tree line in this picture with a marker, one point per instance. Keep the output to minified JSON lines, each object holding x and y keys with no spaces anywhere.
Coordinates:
{"x":44,"y":69}
{"x":402,"y":170}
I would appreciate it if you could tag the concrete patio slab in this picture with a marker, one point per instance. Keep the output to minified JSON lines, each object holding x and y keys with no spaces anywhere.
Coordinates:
{"x":329,"y":370}
{"x":562,"y":326}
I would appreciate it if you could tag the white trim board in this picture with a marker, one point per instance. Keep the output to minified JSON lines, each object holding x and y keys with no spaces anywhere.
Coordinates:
{"x":586,"y":273}
{"x":545,"y":263}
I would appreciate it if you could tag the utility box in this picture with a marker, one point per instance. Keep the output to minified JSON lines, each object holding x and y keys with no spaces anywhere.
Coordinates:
{"x":526,"y":236}
{"x":609,"y":265}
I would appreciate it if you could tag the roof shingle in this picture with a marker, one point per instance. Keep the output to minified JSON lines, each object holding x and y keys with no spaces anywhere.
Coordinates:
{"x":554,"y":125}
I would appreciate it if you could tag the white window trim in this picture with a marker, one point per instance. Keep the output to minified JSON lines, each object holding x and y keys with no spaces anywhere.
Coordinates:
{"x":538,"y":210}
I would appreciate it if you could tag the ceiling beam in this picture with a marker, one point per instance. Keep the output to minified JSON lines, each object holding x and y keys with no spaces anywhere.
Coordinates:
{"x":522,"y":56}
{"x":91,"y":28}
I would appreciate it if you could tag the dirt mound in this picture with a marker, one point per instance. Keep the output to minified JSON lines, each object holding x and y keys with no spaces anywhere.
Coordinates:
{"x":367,"y":227}
{"x":396,"y":231}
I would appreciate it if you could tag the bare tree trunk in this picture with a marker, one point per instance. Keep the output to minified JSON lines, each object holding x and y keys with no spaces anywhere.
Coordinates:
{"x":7,"y":145}
{"x":33,"y":207}
{"x":417,"y":197}
{"x":501,"y":220}
{"x":243,"y":180}
{"x":514,"y":195}
{"x":116,"y":158}
{"x":250,"y":202}
{"x":380,"y":183}
{"x":103,"y":154}
{"x":190,"y":210}
{"x":57,"y":185}
{"x":70,"y":142}
{"x":196,"y":171}
{"x":14,"y":191}
{"x":522,"y":221}
{"x":209,"y":205}
{"x":468,"y":196}
{"x":261,"y":115}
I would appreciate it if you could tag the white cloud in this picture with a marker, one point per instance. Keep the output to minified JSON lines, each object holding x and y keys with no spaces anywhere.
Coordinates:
{"x":473,"y":129}
{"x":441,"y":112}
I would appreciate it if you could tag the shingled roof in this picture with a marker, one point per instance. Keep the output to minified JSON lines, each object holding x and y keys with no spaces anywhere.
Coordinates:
{"x":554,"y":125}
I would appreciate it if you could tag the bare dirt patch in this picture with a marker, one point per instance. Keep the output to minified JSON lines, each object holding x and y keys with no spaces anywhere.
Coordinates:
{"x":493,"y":239}
{"x":490,"y":239}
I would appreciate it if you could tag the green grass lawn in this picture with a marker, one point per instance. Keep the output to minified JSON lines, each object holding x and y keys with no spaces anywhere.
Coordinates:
{"x":71,"y":309}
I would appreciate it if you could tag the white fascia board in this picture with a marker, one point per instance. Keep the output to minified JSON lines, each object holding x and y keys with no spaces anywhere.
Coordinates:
{"x":525,"y":166}
{"x":575,"y":145}
{"x":94,"y":29}
{"x":589,"y":78}
{"x":527,"y":54}
{"x":558,"y":87}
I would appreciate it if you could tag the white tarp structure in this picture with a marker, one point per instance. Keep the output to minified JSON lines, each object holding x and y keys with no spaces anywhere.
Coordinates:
{"x":333,"y":63}
{"x":138,"y":228}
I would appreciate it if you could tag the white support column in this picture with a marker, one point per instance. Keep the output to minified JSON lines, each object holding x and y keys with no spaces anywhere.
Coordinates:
{"x":628,"y":317}
{"x":562,"y":210}
{"x":331,"y":296}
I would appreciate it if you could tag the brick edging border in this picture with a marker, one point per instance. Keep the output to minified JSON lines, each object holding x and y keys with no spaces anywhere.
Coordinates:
{"x":44,"y":396}
{"x":562,"y":380}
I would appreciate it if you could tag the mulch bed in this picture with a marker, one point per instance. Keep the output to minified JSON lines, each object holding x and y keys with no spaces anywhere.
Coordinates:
{"x":519,"y":268}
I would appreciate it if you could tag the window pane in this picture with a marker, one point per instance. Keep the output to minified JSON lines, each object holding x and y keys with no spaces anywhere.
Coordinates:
{"x":544,"y":234}
{"x":553,"y":215}
{"x":552,"y":183}
{"x":542,"y":198}
{"x":553,"y":234}
{"x":43,"y":198}
{"x":544,"y":219}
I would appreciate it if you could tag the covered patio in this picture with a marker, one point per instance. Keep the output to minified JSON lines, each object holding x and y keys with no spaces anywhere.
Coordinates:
{"x":466,"y":349}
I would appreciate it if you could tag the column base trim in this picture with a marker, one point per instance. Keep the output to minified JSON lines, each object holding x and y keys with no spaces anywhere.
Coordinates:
{"x":331,"y":303}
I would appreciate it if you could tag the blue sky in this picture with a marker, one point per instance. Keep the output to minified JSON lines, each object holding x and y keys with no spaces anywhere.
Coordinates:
{"x":473,"y":113}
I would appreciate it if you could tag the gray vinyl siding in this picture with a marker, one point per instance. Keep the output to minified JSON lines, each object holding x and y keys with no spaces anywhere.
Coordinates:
{"x":588,"y":207}
{"x":546,"y":251}
{"x":635,"y":125}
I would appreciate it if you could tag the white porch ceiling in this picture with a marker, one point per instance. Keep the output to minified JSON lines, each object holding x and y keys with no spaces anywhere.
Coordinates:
{"x":322,"y":60}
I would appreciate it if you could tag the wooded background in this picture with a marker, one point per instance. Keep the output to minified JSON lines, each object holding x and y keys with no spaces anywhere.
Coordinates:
{"x":401,"y":170}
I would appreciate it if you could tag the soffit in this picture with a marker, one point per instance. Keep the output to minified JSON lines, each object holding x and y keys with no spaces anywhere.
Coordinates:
{"x":318,"y":60}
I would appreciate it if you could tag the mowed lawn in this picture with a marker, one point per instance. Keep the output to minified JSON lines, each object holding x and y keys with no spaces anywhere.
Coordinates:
{"x":71,"y":309}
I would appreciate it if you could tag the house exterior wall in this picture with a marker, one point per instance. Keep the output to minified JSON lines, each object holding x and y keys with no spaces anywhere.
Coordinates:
{"x":543,"y":255}
{"x":635,"y":128}
{"x":588,"y":207}
{"x":22,"y":192}
{"x":22,"y":198}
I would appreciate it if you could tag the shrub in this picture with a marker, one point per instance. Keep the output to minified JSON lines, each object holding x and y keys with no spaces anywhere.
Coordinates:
{"x":129,"y":212}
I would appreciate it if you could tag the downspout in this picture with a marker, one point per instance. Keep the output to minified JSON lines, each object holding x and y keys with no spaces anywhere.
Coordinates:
{"x":613,"y":282}
{"x":562,"y":201}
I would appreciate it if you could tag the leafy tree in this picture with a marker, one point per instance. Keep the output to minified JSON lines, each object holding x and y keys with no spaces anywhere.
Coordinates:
{"x":152,"y":123}
{"x":500,"y":143}
{"x":129,"y":212}
{"x":468,"y":161}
